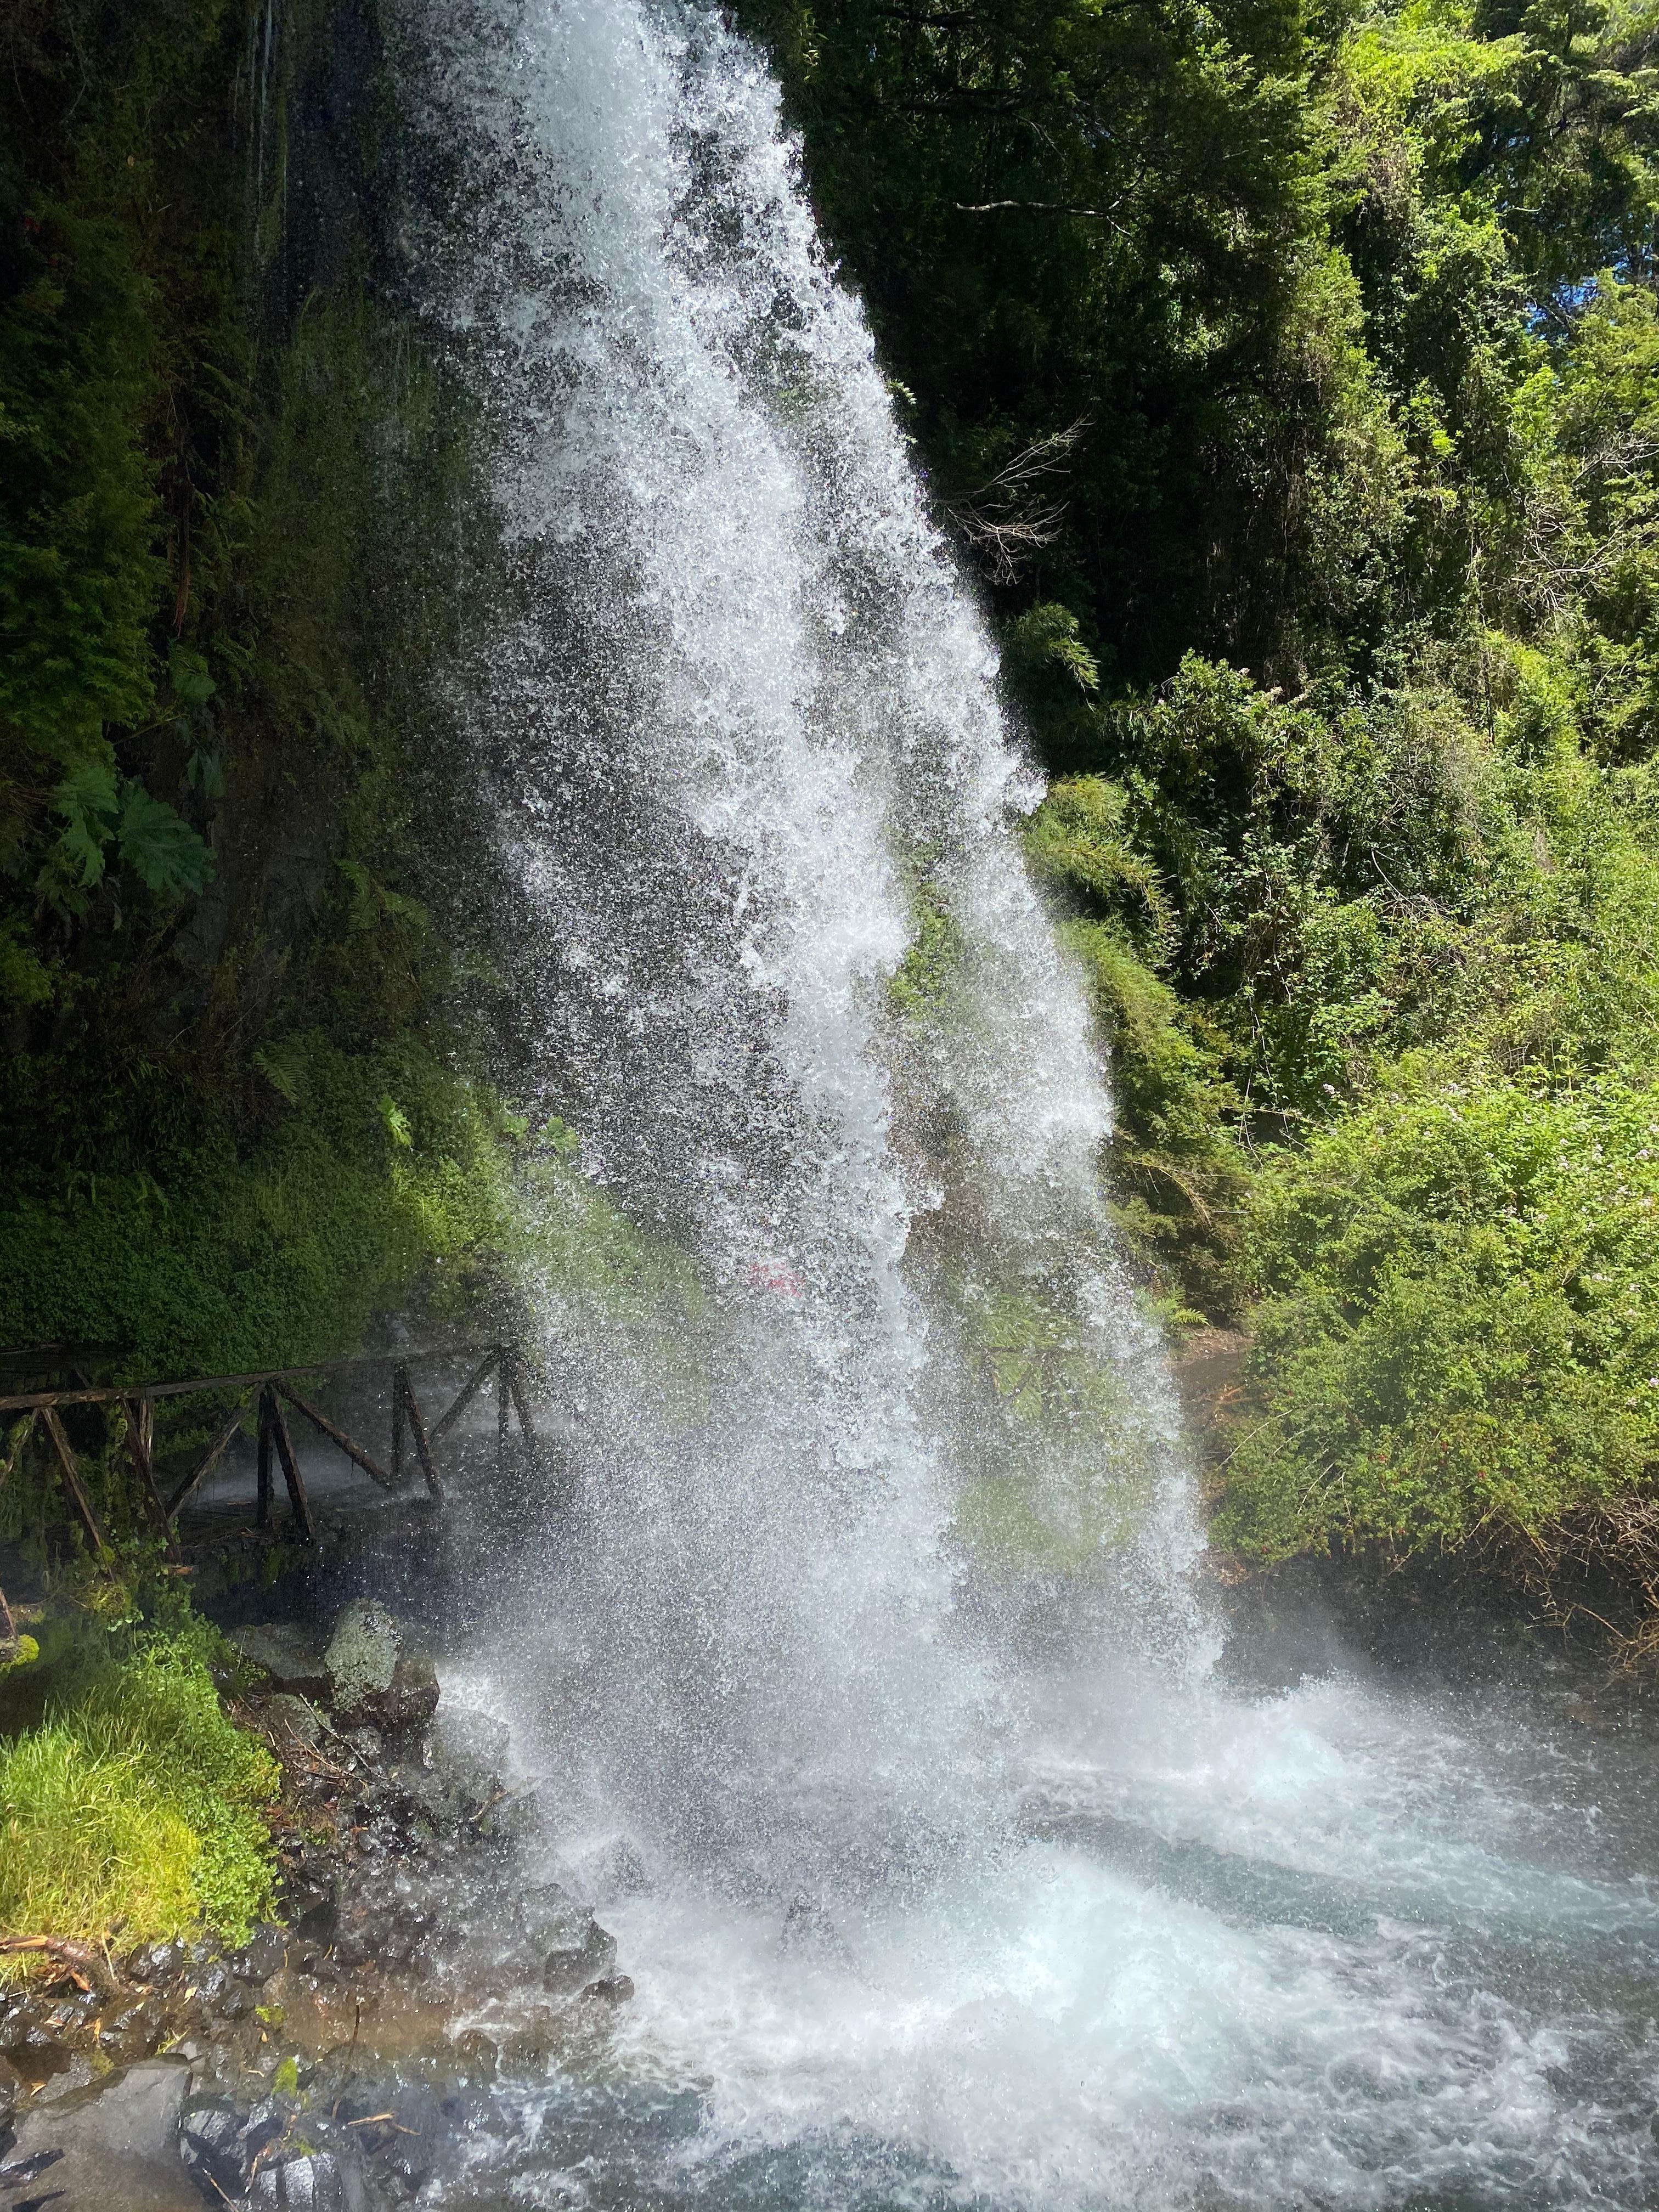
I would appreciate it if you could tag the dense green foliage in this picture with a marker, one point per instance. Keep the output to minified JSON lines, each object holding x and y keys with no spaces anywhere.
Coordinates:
{"x":127,"y":1797}
{"x":232,"y":943}
{"x":1294,"y":380}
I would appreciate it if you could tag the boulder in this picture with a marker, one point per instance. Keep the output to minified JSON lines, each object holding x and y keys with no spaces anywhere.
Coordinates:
{"x":362,"y":1655}
{"x":373,"y":1682}
{"x":116,"y":2140}
{"x":575,"y":1949}
{"x":289,"y":1656}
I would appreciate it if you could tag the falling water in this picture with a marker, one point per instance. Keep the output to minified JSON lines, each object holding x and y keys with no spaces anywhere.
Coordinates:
{"x":871,"y":1614}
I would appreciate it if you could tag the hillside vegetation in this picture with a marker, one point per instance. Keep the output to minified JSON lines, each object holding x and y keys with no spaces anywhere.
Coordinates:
{"x":1290,"y":378}
{"x":1293,"y":380}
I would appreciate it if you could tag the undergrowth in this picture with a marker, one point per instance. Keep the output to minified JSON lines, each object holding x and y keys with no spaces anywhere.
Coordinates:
{"x":128,"y":1800}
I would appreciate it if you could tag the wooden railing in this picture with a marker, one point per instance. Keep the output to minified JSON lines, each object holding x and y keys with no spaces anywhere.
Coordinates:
{"x":264,"y":1393}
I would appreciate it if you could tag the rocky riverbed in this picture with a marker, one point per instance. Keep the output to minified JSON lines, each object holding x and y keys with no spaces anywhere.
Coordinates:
{"x":337,"y":2057}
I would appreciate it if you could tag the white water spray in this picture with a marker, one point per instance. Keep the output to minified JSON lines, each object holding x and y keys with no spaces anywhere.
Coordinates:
{"x":871,"y":1615}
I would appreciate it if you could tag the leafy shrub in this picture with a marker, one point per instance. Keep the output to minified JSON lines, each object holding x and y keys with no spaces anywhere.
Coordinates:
{"x":1457,"y":1336}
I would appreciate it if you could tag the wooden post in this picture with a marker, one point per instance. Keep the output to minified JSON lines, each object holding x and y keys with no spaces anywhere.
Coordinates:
{"x":71,"y":1473}
{"x":369,"y":1465}
{"x":464,"y":1398}
{"x":503,"y":1401}
{"x":296,"y":1489}
{"x":423,"y":1445}
{"x":209,"y":1457}
{"x":399,"y":1385}
{"x":513,"y":1367}
{"x":267,"y":1407}
{"x":141,"y":1429}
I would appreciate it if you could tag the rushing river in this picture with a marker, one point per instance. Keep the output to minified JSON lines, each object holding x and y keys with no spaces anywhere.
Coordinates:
{"x":871,"y":1612}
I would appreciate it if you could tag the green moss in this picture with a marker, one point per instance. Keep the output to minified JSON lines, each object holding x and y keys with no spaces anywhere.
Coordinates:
{"x":388,"y":1182}
{"x":1076,"y":1470}
{"x":921,"y":986}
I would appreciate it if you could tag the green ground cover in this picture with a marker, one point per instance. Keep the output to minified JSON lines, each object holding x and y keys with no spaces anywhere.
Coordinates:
{"x":127,"y":1798}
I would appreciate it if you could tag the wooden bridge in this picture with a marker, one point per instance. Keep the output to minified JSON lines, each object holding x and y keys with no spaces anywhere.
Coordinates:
{"x":265,"y":1396}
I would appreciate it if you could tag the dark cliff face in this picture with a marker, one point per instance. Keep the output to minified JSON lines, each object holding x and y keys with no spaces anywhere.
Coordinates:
{"x":236,"y":855}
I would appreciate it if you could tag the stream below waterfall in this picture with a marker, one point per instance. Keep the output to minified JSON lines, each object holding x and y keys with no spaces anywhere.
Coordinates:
{"x":871,"y":1612}
{"x":1351,"y":1943}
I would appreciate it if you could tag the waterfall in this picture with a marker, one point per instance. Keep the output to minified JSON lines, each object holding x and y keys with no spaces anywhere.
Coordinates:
{"x":747,"y":749}
{"x":869,"y":1611}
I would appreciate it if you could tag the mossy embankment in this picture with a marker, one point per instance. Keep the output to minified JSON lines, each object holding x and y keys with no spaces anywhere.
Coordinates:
{"x":250,"y":1089}
{"x":240,"y":1103}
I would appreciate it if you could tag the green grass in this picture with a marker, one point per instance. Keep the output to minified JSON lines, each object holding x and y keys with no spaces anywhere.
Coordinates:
{"x":131,"y":1799}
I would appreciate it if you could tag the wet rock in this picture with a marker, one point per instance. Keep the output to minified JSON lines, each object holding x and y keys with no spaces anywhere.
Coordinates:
{"x":410,"y":1698}
{"x":36,"y":2053}
{"x":404,"y":1937}
{"x":367,"y":1743}
{"x":156,"y":1962}
{"x":477,"y":2054}
{"x":16,"y":2172}
{"x":287,"y":1655}
{"x":211,"y":2146}
{"x":606,"y":1870}
{"x":373,"y":1682}
{"x":309,"y":1896}
{"x":262,"y":1956}
{"x":264,"y":2126}
{"x":435,"y":1799}
{"x":212,"y":1980}
{"x":18,"y":2015}
{"x":575,"y":1949}
{"x":118,"y":2139}
{"x":362,"y":1655}
{"x":611,"y":1990}
{"x":470,"y":1741}
{"x":71,"y":2013}
{"x":317,"y":2181}
{"x":357,"y":1940}
{"x":295,"y":1718}
{"x":570,"y":1967}
{"x":133,"y":2031}
{"x":236,"y":2001}
{"x":13,"y":2089}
